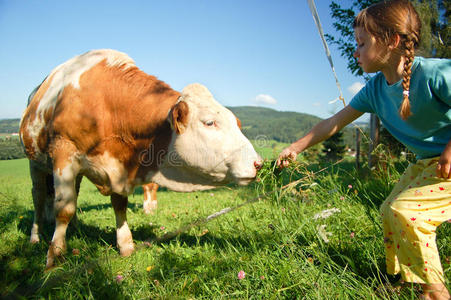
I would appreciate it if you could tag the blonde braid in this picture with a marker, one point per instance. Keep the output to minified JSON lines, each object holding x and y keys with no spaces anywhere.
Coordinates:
{"x":409,"y":45}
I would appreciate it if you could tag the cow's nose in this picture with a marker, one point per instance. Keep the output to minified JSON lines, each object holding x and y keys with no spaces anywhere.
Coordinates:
{"x":258,"y":165}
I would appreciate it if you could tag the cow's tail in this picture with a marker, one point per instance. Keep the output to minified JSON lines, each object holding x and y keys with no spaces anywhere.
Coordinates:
{"x":30,"y":98}
{"x":35,"y":91}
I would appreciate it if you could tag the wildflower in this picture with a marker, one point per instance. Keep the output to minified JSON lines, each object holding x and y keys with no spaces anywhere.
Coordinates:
{"x":119,"y":278}
{"x":149,"y":268}
{"x":349,"y":186}
{"x":75,"y":251}
{"x":211,"y":194}
{"x":352,"y":235}
{"x":241,"y":275}
{"x":262,"y":277}
{"x":342,"y":198}
{"x":326,"y":213}
{"x":156,"y":282}
{"x":162,"y":228}
{"x":21,"y":217}
{"x":323,"y":233}
{"x":283,"y":209}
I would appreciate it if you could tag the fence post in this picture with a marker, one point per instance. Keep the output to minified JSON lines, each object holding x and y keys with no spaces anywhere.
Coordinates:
{"x":357,"y":149}
{"x":374,"y":135}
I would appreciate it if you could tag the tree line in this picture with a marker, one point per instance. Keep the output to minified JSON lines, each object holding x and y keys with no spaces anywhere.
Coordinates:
{"x":11,"y":148}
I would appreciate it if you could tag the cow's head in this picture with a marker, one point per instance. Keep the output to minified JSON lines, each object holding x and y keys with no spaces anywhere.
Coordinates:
{"x":207,"y":148}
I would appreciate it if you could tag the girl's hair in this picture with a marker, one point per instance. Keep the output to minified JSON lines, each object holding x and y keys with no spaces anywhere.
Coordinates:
{"x":385,"y":19}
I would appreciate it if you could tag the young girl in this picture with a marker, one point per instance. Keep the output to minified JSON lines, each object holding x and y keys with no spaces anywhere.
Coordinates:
{"x":412,"y":97}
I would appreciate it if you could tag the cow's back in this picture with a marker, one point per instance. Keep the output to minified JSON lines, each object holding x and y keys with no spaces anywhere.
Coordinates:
{"x":95,"y":101}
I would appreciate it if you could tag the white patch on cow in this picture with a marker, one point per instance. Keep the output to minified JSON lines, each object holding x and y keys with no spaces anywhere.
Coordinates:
{"x":107,"y":169}
{"x":124,"y":237}
{"x":180,"y":181}
{"x":69,"y":73}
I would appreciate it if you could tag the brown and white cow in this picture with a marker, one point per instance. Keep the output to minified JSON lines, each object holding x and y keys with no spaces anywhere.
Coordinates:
{"x":99,"y":116}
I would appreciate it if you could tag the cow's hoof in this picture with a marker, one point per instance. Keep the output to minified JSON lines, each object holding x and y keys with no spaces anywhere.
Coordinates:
{"x":150,"y":207}
{"x":53,"y":261}
{"x":49,"y":267}
{"x":34,"y":239}
{"x":148,"y":211}
{"x":127,"y":250}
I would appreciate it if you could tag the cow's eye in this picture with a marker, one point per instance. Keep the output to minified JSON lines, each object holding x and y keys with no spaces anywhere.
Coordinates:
{"x":209,"y":123}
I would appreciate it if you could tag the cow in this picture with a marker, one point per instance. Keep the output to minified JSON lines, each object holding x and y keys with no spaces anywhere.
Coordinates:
{"x":99,"y":116}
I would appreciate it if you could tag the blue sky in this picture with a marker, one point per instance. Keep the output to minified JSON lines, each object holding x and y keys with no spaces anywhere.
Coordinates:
{"x":261,"y":52}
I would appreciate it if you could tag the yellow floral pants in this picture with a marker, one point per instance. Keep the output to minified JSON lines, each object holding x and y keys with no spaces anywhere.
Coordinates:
{"x":418,"y":204}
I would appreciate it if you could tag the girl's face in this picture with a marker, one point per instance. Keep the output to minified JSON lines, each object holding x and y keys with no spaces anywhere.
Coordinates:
{"x":371,"y":54}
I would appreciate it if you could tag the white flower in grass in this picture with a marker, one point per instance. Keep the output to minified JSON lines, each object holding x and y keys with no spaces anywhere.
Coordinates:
{"x":321,"y":229}
{"x":326,"y":213}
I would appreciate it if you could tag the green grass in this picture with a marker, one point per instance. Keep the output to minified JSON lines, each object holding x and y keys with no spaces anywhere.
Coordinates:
{"x":275,"y":241}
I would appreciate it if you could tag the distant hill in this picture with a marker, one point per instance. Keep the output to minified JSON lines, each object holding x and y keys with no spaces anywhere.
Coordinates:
{"x":281,"y":126}
{"x":9,"y":125}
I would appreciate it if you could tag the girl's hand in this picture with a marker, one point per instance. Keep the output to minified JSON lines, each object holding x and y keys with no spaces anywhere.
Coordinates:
{"x":444,"y":163}
{"x":285,"y":157}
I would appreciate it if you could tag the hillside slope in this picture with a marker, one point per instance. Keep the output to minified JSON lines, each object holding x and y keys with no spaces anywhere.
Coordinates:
{"x":9,"y":125}
{"x":281,"y":126}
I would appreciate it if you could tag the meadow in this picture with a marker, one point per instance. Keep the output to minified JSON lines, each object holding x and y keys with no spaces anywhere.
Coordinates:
{"x":320,"y":238}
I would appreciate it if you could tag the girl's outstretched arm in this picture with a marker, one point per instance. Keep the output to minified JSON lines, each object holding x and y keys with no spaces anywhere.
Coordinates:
{"x":320,"y":132}
{"x":444,"y":163}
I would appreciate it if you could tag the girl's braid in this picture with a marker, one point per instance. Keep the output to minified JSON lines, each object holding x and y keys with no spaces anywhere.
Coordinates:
{"x":409,"y":45}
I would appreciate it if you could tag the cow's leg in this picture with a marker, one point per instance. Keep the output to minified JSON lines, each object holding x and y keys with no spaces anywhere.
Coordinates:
{"x":49,"y":213}
{"x":39,"y":193}
{"x":150,"y":197}
{"x":123,"y":233}
{"x":65,"y":207}
{"x":74,"y":221}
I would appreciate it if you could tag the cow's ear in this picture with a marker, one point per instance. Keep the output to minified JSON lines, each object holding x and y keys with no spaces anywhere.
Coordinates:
{"x":179,"y":117}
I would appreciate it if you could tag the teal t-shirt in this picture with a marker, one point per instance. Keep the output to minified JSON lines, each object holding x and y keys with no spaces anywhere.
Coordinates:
{"x":428,"y":129}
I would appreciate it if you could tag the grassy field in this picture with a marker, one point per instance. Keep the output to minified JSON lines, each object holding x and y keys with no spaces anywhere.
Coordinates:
{"x":274,"y":248}
{"x":7,"y":136}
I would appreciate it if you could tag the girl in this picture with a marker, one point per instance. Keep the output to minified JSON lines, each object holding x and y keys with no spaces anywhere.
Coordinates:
{"x":412,"y":97}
